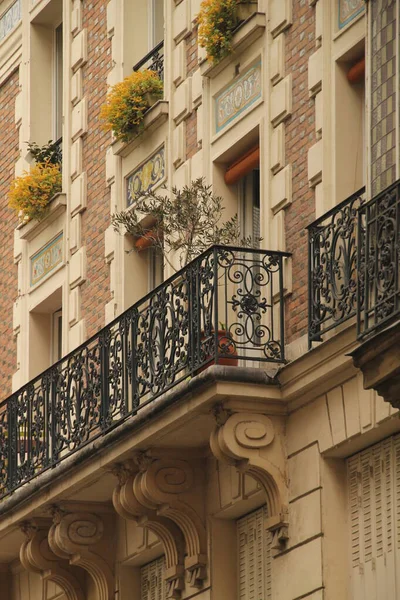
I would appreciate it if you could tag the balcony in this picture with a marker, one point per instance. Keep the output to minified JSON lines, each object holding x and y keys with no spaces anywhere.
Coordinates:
{"x":332,"y":258}
{"x":225,"y":307}
{"x":354,"y":265}
{"x":154,"y":61}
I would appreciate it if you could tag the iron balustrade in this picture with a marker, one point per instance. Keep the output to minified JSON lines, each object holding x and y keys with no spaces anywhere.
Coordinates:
{"x":378,"y":261}
{"x":332,"y":256}
{"x":154,"y":61}
{"x":226,"y":304}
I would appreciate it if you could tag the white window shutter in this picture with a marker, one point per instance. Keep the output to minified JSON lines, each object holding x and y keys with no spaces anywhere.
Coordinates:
{"x":373,"y":482}
{"x":254,"y":557}
{"x":152,"y":580}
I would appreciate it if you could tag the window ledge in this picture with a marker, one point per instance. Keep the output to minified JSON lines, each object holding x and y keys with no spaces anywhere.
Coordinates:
{"x":28,"y":231}
{"x":154,"y":117}
{"x":246,"y":34}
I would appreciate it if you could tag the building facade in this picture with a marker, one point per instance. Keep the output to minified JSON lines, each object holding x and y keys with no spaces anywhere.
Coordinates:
{"x":139,"y":458}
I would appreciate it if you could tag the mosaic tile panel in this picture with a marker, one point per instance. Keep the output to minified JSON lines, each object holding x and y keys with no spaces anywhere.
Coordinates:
{"x":46,"y":259}
{"x":349,"y":10}
{"x":241,"y":94}
{"x":10,"y":19}
{"x":146,"y":176}
{"x":383,"y":90}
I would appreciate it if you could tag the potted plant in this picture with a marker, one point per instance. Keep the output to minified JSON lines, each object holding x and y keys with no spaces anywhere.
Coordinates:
{"x":246,"y":8}
{"x":182,"y":225}
{"x":218,"y":20}
{"x":30,"y":194}
{"x":128,"y":101}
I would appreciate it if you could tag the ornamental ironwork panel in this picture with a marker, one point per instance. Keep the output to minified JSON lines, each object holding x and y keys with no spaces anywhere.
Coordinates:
{"x":378,"y":261}
{"x":225,"y":306}
{"x":154,"y":61}
{"x":332,"y":282}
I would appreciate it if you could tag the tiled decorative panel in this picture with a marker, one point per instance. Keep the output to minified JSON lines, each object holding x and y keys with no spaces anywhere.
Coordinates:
{"x":241,"y":94}
{"x":10,"y":19}
{"x":46,"y":259}
{"x":146,"y":176}
{"x":383,"y":90}
{"x":349,"y":10}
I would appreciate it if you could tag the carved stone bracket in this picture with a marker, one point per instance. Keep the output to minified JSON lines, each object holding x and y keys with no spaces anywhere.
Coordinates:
{"x":247,"y":441}
{"x":127,"y":506}
{"x":78,"y":536}
{"x":164,"y":492}
{"x":37,"y":556}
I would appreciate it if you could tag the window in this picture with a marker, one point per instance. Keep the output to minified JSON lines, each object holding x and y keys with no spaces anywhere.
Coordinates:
{"x":350,"y":124}
{"x":156,"y":268}
{"x":45,"y":334}
{"x":249,"y":190}
{"x":373,"y":481}
{"x":254,"y":557}
{"x":45,"y":69}
{"x":58,"y":82}
{"x":152,"y":580}
{"x":156,"y":22}
{"x":56,"y":336}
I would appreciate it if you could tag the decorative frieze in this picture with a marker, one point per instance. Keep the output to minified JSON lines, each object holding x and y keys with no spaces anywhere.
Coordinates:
{"x":349,"y":10}
{"x":146,"y":176}
{"x":10,"y":19}
{"x":46,"y":259}
{"x":239,"y":96}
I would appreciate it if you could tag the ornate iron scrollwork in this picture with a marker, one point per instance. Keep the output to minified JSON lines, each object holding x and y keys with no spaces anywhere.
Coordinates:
{"x":154,"y":61}
{"x":172,"y":333}
{"x":379,"y":292}
{"x":332,"y":242}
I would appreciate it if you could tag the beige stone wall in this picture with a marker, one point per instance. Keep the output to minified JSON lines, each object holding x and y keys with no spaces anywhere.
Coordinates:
{"x":229,"y":448}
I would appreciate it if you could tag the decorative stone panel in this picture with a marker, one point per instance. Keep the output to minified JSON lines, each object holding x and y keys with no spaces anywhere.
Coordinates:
{"x":48,"y":258}
{"x":349,"y":10}
{"x":238,"y":97}
{"x":146,"y":176}
{"x":10,"y":19}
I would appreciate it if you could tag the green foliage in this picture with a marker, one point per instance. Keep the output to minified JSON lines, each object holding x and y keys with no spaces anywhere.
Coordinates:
{"x":50,"y":153}
{"x":186,"y":222}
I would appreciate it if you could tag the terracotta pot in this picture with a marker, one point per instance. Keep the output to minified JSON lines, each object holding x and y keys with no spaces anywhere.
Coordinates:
{"x":246,"y":9}
{"x":230,"y":360}
{"x":145,"y":241}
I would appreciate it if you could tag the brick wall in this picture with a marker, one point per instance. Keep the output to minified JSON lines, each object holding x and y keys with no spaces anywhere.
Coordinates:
{"x":95,"y":291}
{"x":299,"y":136}
{"x":8,"y":271}
{"x":191,"y":66}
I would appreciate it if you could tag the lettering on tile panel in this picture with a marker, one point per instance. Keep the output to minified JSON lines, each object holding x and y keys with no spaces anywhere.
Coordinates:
{"x":239,"y":96}
{"x":46,"y":259}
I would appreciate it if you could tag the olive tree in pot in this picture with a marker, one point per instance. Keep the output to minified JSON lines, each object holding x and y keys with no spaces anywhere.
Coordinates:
{"x":182,"y":224}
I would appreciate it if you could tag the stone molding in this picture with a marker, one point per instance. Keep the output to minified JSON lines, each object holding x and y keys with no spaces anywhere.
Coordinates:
{"x":245,"y":440}
{"x":164,"y":495}
{"x":37,"y":556}
{"x":78,"y":536}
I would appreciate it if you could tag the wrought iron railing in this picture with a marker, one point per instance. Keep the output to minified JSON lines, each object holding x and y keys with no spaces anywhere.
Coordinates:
{"x":332,"y":283}
{"x":378,"y":261}
{"x":226,"y":305}
{"x":154,"y":61}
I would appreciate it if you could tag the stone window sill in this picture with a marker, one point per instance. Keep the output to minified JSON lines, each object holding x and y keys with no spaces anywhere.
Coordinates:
{"x":154,"y":118}
{"x":28,"y":231}
{"x":245,"y":35}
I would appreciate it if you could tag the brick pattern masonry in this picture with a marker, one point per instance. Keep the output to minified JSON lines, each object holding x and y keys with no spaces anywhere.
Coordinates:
{"x":8,"y":270}
{"x":299,"y":136}
{"x":95,"y":291}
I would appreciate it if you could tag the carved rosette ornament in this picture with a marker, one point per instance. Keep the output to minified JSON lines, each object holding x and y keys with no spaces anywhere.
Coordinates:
{"x":37,"y":556}
{"x":160,"y":493}
{"x":245,"y":440}
{"x":79,"y":538}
